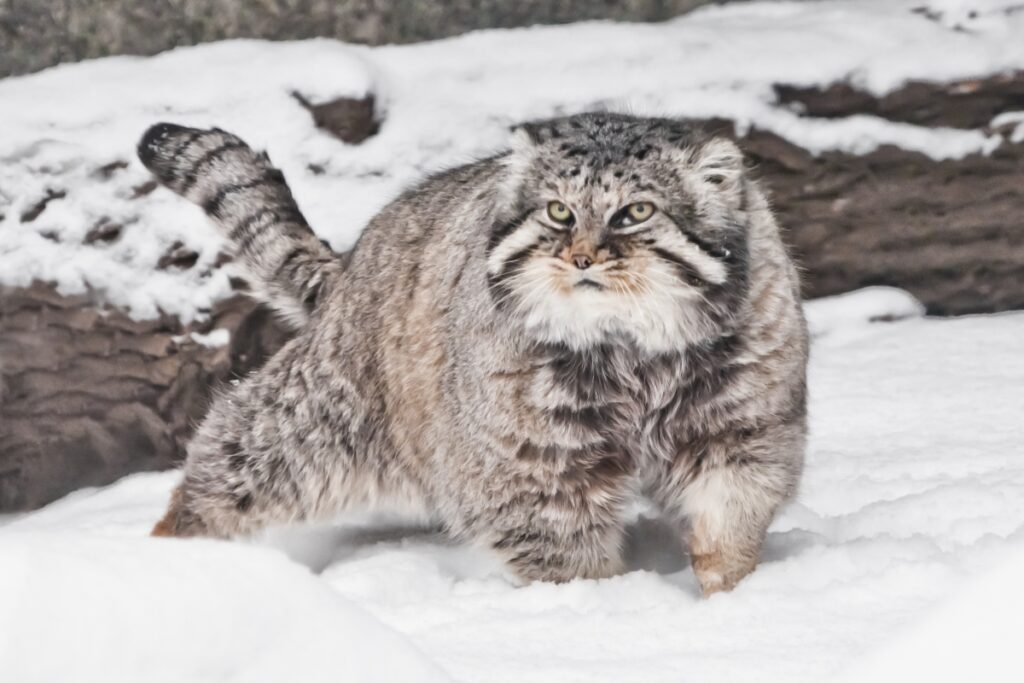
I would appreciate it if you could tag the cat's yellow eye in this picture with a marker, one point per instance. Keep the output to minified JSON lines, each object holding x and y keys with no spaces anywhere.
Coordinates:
{"x":640,"y":211}
{"x":559,"y":212}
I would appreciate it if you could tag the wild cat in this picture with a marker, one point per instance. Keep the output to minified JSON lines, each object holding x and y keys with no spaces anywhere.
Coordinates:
{"x":523,"y":345}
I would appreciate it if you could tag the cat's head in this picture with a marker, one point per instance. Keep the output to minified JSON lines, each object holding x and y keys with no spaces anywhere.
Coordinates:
{"x":618,"y":227}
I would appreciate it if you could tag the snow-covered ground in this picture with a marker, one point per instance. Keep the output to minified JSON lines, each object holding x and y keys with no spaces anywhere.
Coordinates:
{"x":444,"y":102}
{"x":914,"y":488}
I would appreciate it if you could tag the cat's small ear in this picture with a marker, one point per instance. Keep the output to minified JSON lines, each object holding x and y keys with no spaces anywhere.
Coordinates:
{"x":522,"y":139}
{"x":522,"y":155}
{"x":526,"y":135}
{"x":719,"y":165}
{"x":524,"y":147}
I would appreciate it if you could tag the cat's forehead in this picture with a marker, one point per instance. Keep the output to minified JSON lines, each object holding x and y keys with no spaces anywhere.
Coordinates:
{"x":598,"y":155}
{"x":602,"y":188}
{"x":592,"y":152}
{"x":609,"y":138}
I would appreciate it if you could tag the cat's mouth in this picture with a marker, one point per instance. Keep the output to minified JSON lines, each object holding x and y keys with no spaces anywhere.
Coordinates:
{"x":587,"y":283}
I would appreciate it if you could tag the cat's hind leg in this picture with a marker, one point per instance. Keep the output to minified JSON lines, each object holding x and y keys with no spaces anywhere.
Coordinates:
{"x":287,"y":444}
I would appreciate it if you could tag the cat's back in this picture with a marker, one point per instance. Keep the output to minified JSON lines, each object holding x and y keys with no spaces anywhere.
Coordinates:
{"x":392,"y":312}
{"x":429,"y":225}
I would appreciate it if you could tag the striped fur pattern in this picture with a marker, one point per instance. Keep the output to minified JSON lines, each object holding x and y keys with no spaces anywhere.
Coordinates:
{"x":249,"y":200}
{"x":519,"y":379}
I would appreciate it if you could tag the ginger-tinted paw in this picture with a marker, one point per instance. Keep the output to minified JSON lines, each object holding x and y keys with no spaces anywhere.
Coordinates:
{"x":179,"y":521}
{"x":716,"y":575}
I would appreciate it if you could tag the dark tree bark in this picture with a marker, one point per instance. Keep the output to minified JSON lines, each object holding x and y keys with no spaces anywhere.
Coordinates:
{"x":949,"y":232}
{"x":88,"y":395}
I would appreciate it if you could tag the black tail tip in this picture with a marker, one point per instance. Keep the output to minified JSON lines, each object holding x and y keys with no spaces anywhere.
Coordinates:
{"x":154,"y":139}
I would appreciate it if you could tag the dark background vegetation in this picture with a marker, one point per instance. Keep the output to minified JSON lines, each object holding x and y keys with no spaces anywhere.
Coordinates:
{"x":40,"y":33}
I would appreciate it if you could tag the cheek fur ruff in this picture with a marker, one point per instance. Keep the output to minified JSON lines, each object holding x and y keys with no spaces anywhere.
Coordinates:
{"x":647,"y":303}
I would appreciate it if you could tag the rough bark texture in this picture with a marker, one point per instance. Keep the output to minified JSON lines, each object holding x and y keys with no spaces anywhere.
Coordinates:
{"x":963,"y":104}
{"x":35,"y":34}
{"x":950,"y":232}
{"x":87,"y":395}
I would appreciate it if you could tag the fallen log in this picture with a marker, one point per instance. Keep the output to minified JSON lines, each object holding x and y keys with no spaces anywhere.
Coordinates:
{"x":950,"y":232}
{"x":88,"y":394}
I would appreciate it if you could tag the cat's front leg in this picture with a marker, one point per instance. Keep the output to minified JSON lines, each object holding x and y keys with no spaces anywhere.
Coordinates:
{"x":540,"y":553}
{"x":728,"y":511}
{"x":563,"y":531}
{"x":728,"y":497}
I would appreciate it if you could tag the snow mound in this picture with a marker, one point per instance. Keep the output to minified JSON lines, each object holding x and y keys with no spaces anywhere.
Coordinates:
{"x":85,"y":608}
{"x":854,"y":309}
{"x":912,"y":488}
{"x":68,"y":134}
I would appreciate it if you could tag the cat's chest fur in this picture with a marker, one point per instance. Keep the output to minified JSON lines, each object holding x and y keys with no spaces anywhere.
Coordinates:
{"x":613,"y":399}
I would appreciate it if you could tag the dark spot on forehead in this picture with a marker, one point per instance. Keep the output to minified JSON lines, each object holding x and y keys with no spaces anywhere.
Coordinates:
{"x":599,"y":151}
{"x":618,"y":135}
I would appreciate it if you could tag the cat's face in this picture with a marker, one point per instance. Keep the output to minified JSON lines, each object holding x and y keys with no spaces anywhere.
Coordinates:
{"x":620,"y":228}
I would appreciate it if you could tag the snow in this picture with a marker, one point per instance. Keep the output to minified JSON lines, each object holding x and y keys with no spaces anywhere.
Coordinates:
{"x":1010,"y":118}
{"x":851,"y":310}
{"x":219,"y":337}
{"x":444,"y":103}
{"x":899,"y":559}
{"x":975,"y":637}
{"x":83,"y":608}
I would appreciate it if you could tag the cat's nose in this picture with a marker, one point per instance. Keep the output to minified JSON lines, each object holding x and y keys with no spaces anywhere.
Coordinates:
{"x":581,"y":261}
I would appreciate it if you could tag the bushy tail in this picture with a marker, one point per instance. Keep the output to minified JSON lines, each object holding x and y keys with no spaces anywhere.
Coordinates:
{"x":251,"y":203}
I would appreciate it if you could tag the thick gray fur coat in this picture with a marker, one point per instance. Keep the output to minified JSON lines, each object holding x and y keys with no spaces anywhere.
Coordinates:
{"x":520,"y":346}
